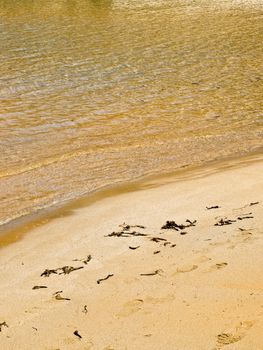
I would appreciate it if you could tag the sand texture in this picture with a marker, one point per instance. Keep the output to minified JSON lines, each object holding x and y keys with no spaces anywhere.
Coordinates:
{"x":195,"y":284}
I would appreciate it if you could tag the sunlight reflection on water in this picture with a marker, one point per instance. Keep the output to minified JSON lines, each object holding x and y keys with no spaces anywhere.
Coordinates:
{"x":95,"y":92}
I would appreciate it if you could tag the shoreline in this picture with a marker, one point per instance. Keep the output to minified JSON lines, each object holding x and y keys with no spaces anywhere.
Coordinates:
{"x":16,"y":228}
{"x":86,"y":280}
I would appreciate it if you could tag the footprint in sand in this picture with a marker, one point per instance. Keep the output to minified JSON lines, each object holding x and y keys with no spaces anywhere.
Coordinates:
{"x":203,"y":259}
{"x":186,"y":268}
{"x":227,"y":338}
{"x":244,"y":236}
{"x":152,"y":301}
{"x":131,"y":307}
{"x":220,"y":243}
{"x":240,"y":332}
{"x":136,"y":305}
{"x":218,"y":266}
{"x":71,"y":341}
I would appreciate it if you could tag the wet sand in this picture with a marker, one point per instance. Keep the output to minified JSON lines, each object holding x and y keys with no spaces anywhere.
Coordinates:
{"x":196,"y":284}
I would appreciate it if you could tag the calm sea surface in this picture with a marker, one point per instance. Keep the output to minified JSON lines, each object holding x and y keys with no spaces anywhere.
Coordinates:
{"x":94,"y":92}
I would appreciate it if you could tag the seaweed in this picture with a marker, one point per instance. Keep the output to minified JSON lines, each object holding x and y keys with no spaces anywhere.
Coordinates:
{"x":174,"y":226}
{"x":85,"y":260}
{"x":68,"y":269}
{"x":125,"y":234}
{"x":223,"y":222}
{"x":126,"y":227}
{"x":60,"y":270}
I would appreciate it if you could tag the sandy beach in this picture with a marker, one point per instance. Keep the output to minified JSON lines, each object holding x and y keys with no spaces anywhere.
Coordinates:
{"x":175,"y":265}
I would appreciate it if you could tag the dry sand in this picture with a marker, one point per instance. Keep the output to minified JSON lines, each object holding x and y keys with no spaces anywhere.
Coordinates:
{"x":206,"y":287}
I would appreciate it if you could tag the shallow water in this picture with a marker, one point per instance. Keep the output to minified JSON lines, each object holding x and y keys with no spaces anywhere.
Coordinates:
{"x":98,"y":92}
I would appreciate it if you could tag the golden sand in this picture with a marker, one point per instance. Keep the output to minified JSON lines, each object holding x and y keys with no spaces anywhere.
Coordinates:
{"x":143,"y":288}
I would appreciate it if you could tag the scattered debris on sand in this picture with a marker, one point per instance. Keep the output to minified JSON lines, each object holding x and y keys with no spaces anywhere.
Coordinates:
{"x":245,"y":216}
{"x":253,"y":203}
{"x":133,"y":248}
{"x":213,"y":207}
{"x":60,"y":270}
{"x":85,"y":309}
{"x":76,"y":333}
{"x":126,"y":227}
{"x":156,"y":272}
{"x":126,"y":231}
{"x":58,"y":295}
{"x":3,"y":324}
{"x":104,"y":279}
{"x":226,"y":221}
{"x":245,"y":230}
{"x":68,"y":269}
{"x":223,"y":222}
{"x":174,"y":226}
{"x":125,"y":234}
{"x":157,"y":239}
{"x":39,"y":287}
{"x":85,"y":260}
{"x":48,"y":272}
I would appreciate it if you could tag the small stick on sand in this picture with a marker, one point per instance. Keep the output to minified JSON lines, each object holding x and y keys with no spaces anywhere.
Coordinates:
{"x":76,"y":333}
{"x":213,"y":207}
{"x":245,"y":216}
{"x":157,"y":239}
{"x":133,"y":248}
{"x":156,"y":272}
{"x":39,"y":287}
{"x":104,"y":279}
